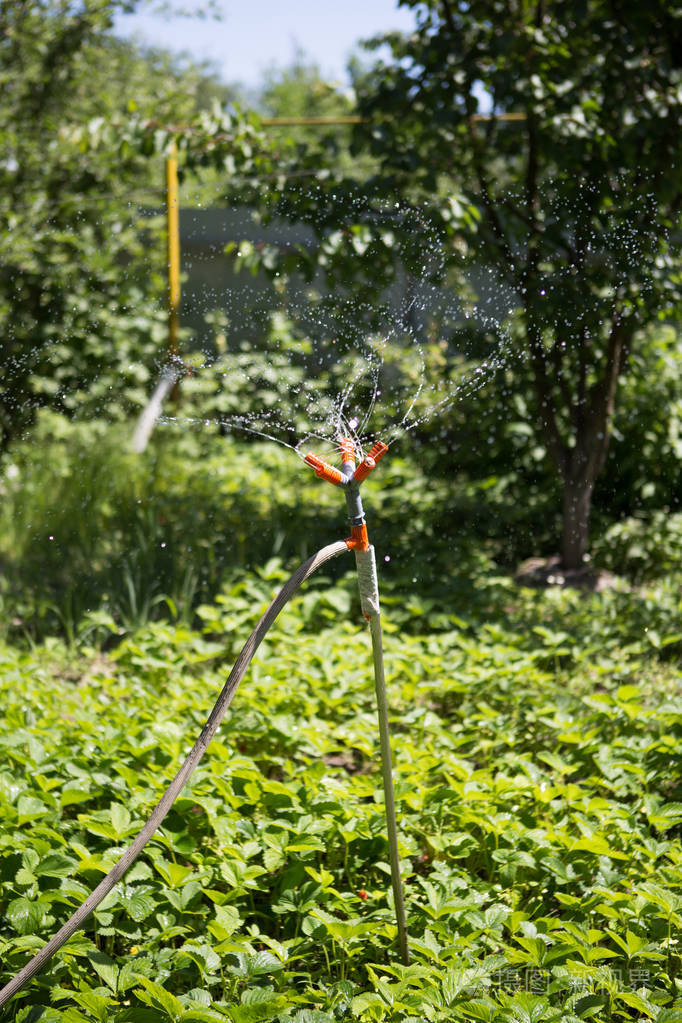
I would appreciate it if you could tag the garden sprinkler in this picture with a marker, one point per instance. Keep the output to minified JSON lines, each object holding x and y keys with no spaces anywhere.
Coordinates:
{"x":349,"y":477}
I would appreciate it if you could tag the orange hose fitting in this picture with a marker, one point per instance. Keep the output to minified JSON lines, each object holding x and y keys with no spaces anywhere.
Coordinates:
{"x":347,"y":451}
{"x":323,"y":470}
{"x":358,"y":540}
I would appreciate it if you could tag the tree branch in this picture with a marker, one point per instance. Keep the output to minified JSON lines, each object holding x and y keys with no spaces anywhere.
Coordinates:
{"x":545,"y":399}
{"x":582,"y":376}
{"x":490,"y":210}
{"x":449,"y":18}
{"x":557,"y":361}
{"x":602,"y":396}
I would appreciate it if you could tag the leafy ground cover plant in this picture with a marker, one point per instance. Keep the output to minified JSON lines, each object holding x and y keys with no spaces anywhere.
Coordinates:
{"x":538,"y":789}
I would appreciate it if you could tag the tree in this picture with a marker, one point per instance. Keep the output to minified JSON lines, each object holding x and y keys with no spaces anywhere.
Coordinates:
{"x":568,"y":187}
{"x":81,"y":303}
{"x":577,"y":199}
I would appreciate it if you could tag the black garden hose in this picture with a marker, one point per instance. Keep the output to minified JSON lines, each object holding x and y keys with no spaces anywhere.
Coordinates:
{"x":175,"y":788}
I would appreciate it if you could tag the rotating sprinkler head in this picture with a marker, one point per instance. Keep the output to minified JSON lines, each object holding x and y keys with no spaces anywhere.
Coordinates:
{"x":350,"y":477}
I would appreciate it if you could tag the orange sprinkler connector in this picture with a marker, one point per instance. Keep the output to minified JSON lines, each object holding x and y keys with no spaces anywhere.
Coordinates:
{"x":358,"y":539}
{"x":324,"y":471}
{"x":347,"y":451}
{"x":351,"y":480}
{"x":368,"y":463}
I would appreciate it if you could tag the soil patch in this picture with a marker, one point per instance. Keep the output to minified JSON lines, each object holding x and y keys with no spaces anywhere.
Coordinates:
{"x":544,"y":572}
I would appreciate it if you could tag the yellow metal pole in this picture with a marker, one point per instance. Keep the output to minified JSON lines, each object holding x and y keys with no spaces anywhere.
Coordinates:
{"x":173,"y":231}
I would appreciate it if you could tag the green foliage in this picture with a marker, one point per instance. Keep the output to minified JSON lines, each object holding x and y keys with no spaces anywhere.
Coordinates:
{"x":534,"y":731}
{"x":643,"y":467}
{"x":88,"y":339}
{"x":96,"y":541}
{"x":299,"y":91}
{"x":561,"y":217}
{"x":580,"y":239}
{"x":88,"y":528}
{"x":539,"y":818}
{"x":487,"y":435}
{"x":81,"y":301}
{"x":642,"y":546}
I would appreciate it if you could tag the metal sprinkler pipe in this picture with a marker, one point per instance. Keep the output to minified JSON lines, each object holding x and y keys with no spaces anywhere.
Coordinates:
{"x":350,"y":477}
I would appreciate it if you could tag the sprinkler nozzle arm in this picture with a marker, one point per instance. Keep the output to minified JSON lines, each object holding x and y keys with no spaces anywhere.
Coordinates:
{"x":369,"y":463}
{"x":347,"y":451}
{"x":323,"y":470}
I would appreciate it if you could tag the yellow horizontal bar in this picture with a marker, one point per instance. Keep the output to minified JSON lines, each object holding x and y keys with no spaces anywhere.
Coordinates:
{"x":279,"y":122}
{"x":292,"y":122}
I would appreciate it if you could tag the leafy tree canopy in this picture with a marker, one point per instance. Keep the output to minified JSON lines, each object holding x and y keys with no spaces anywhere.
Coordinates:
{"x":79,"y":301}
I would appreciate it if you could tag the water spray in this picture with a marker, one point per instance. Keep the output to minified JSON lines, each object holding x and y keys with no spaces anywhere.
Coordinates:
{"x":349,"y":477}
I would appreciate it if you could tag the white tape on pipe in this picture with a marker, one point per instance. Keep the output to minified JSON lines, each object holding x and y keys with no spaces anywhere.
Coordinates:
{"x":368,"y":581}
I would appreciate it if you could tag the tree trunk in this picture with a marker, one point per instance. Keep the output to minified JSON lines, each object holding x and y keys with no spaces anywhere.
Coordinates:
{"x":588,"y":418}
{"x":575,"y":537}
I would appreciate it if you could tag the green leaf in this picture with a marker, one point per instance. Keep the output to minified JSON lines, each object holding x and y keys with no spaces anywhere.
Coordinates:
{"x":202,"y":1015}
{"x":599,"y":846}
{"x":175,"y":874}
{"x":25,"y":916}
{"x":273,"y":859}
{"x":168,"y":1002}
{"x":139,"y":905}
{"x":95,"y":1003}
{"x":588,"y":1005}
{"x":105,"y":968}
{"x":667,"y":816}
{"x":30,"y":808}
{"x":44,"y":1014}
{"x":635,"y":1001}
{"x":258,"y":1005}
{"x":56,"y":865}
{"x":313,"y":1016}
{"x":478,"y":1009}
{"x":264,"y":963}
{"x":71,"y":796}
{"x":120,"y":819}
{"x":228,"y":919}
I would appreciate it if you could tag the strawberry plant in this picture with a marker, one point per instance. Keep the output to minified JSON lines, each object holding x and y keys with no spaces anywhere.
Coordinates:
{"x":539,"y":815}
